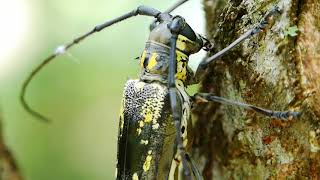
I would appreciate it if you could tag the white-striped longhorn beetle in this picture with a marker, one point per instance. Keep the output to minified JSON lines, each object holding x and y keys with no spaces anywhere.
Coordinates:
{"x":155,"y":112}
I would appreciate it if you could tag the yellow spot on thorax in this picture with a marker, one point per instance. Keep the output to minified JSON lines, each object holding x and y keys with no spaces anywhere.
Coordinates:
{"x":143,"y":56}
{"x":152,"y":61}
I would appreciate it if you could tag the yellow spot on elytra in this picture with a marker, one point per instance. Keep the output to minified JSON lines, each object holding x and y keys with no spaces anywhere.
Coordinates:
{"x":135,"y":176}
{"x":152,"y":61}
{"x":139,"y":131}
{"x":148,"y":117}
{"x":141,"y":124}
{"x":145,"y":142}
{"x":147,"y":163}
{"x":152,"y":107}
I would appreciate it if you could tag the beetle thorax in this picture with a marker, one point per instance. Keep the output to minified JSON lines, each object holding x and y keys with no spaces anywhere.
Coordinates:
{"x":155,"y":58}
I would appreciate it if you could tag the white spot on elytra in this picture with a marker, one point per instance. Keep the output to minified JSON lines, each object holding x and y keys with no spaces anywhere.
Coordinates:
{"x":155,"y":126}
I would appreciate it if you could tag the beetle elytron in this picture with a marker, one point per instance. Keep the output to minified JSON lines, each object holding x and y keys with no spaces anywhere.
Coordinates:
{"x":155,"y":111}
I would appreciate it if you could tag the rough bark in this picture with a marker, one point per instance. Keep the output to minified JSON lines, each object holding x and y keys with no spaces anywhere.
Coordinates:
{"x":8,"y":167}
{"x":277,"y":69}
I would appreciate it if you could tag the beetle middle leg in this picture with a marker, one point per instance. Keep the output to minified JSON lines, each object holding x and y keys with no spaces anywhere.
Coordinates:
{"x":184,"y":107}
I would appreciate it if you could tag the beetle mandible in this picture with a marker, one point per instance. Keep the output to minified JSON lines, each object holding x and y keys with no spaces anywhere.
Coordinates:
{"x":154,"y":126}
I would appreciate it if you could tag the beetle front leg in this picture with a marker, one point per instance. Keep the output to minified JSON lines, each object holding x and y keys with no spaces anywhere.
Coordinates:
{"x":206,"y":97}
{"x":255,"y":30}
{"x":175,"y":26}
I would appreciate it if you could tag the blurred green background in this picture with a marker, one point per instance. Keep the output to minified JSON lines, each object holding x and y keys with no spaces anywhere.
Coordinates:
{"x":80,"y":90}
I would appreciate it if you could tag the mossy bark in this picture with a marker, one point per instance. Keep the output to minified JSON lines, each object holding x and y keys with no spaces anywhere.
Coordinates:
{"x":8,"y":167}
{"x":278,"y":69}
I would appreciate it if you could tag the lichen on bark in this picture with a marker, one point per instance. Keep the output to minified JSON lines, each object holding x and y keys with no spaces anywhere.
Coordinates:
{"x":276,"y":69}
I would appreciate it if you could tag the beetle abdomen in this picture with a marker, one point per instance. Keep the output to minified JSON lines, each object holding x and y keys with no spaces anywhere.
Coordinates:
{"x":146,"y":134}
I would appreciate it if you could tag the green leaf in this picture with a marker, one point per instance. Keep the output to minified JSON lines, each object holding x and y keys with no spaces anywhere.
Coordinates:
{"x":292,"y":31}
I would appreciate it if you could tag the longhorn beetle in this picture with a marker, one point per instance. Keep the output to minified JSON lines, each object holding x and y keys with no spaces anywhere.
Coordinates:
{"x":155,"y":111}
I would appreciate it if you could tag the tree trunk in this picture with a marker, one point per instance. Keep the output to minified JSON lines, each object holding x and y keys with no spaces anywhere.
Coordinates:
{"x":277,"y":69}
{"x":8,"y":166}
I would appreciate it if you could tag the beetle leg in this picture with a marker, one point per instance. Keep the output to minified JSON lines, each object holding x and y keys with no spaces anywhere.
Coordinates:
{"x":194,"y":168}
{"x":175,"y":26}
{"x":176,"y":171}
{"x":284,"y":115}
{"x":256,"y":29}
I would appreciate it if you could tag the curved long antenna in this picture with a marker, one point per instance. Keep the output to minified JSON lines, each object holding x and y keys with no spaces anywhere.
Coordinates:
{"x":141,"y":10}
{"x":23,"y":101}
{"x":174,"y":6}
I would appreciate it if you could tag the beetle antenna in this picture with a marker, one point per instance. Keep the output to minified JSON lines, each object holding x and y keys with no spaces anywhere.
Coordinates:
{"x":173,"y":7}
{"x":23,"y":101}
{"x":141,"y":10}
